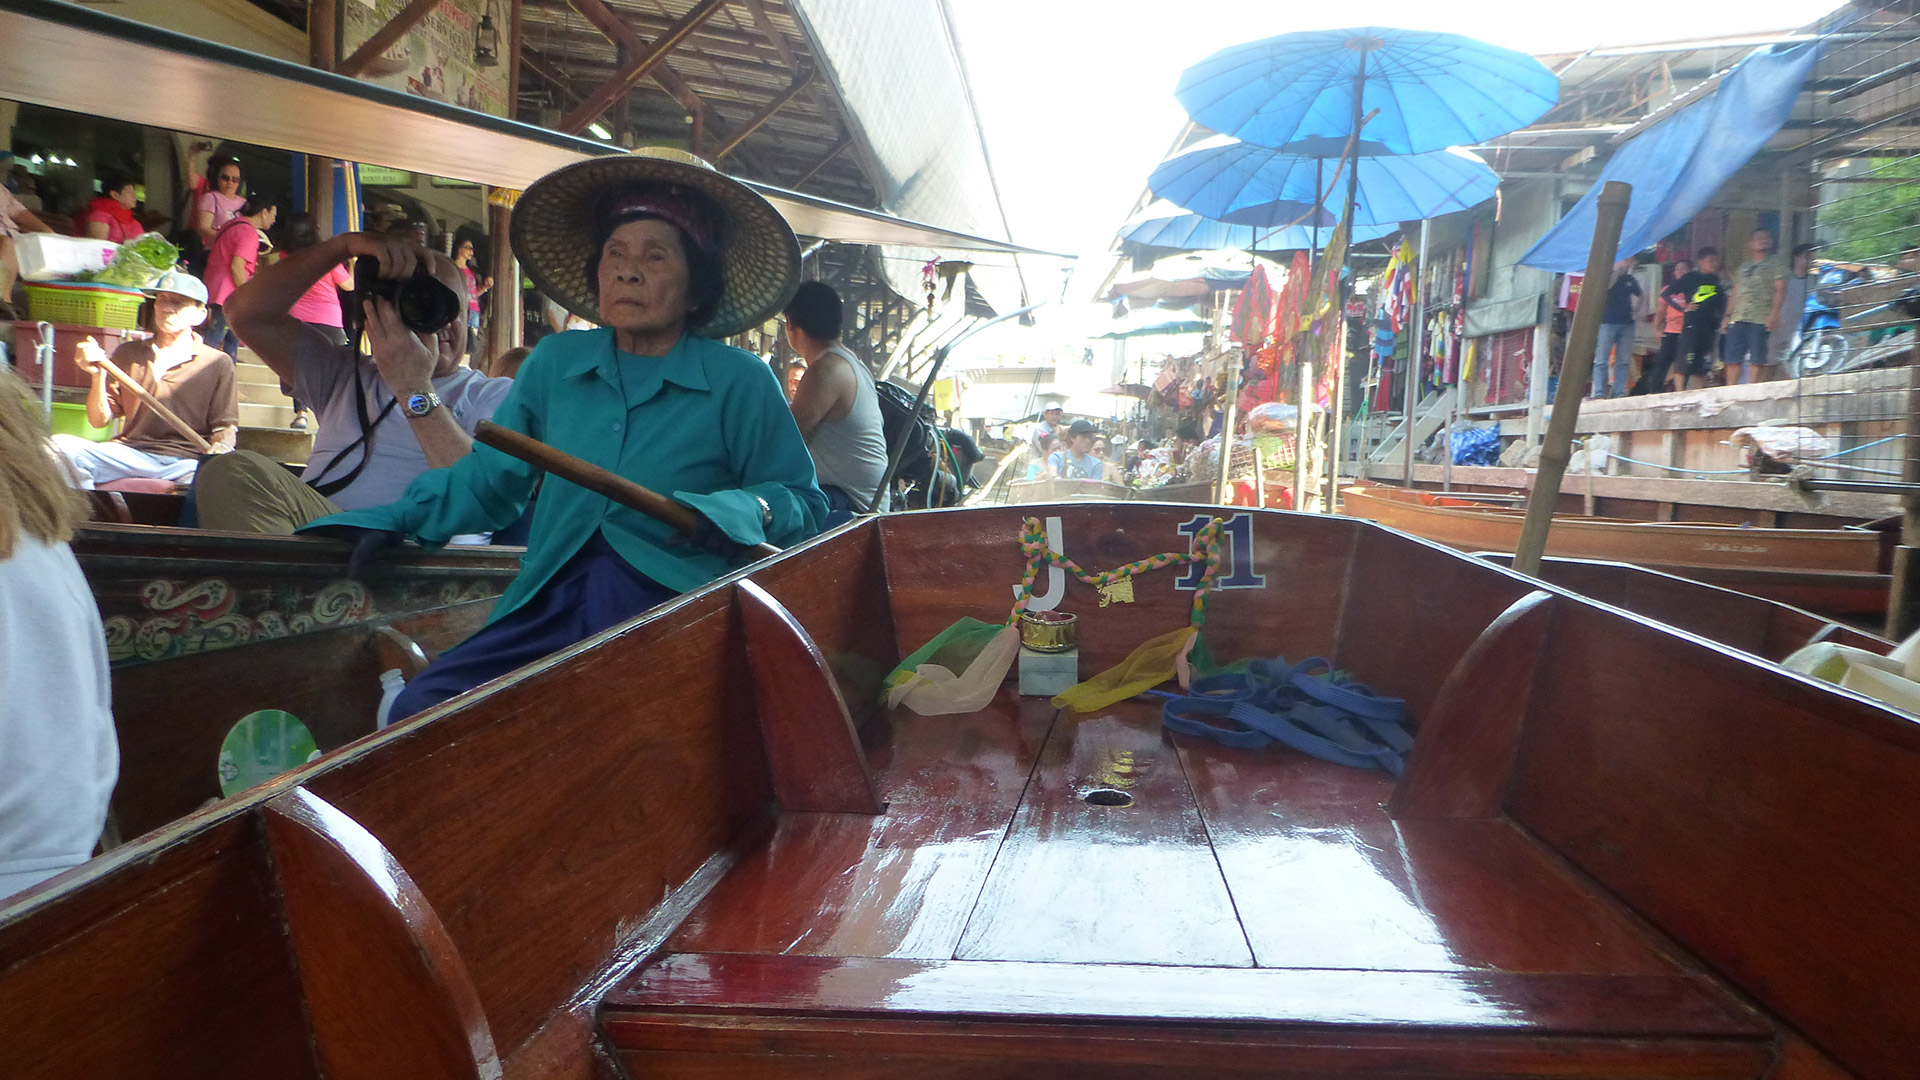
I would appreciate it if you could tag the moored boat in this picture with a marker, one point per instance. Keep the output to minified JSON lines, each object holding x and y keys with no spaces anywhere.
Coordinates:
{"x":205,"y":628}
{"x":691,"y":847}
{"x":1829,"y":571}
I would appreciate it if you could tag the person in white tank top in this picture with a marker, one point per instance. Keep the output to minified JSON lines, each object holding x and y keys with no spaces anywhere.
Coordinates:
{"x":835,"y":405}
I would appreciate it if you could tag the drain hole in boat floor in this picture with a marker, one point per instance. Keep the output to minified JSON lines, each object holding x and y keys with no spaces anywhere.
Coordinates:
{"x":1108,"y":797}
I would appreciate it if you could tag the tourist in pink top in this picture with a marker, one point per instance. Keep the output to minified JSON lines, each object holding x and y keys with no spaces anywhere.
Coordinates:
{"x":220,"y":202}
{"x":231,"y":262}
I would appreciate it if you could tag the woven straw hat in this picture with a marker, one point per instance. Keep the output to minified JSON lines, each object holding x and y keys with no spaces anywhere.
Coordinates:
{"x":553,"y":229}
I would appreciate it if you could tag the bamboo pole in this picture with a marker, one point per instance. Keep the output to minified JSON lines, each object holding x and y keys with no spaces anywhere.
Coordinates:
{"x":598,"y":480}
{"x":1575,"y":370}
{"x":1903,"y":592}
{"x":1300,"y":418}
{"x":200,"y":444}
{"x":1220,"y":482}
{"x":1409,"y":387}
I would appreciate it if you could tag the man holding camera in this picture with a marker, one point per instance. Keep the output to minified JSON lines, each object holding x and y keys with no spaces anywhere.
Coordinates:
{"x":383,"y":419}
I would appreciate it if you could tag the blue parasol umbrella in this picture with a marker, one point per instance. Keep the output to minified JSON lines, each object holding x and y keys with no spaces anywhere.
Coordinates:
{"x":1164,"y":224}
{"x":1243,"y":184}
{"x":1431,"y":90}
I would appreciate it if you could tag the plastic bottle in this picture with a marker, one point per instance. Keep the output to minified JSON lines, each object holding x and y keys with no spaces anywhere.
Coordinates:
{"x":391,"y":683}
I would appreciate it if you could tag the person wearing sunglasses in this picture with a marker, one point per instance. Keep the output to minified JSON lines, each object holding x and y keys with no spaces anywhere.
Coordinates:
{"x":220,"y":202}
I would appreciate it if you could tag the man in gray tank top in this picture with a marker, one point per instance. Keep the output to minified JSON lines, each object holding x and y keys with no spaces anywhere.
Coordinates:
{"x":835,"y":405}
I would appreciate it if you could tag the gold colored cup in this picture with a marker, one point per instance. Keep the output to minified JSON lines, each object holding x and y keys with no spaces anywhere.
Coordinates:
{"x":1049,"y":631}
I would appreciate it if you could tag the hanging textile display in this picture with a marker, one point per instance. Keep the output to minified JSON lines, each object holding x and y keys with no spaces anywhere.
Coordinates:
{"x":1253,"y":312}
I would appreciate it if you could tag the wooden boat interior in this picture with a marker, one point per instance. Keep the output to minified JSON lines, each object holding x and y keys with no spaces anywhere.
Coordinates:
{"x":1765,"y":628}
{"x":690,"y":847}
{"x":204,"y":628}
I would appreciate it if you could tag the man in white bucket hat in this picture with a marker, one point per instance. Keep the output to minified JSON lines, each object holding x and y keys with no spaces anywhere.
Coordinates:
{"x":195,"y":381}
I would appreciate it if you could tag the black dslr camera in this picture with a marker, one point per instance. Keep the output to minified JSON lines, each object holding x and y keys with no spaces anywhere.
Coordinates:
{"x":424,"y":302}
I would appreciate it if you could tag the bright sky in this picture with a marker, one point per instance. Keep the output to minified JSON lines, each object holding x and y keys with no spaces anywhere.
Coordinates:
{"x":1076,"y":96}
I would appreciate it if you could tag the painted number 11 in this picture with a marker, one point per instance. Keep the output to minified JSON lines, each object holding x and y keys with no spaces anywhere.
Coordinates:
{"x":1239,"y":536}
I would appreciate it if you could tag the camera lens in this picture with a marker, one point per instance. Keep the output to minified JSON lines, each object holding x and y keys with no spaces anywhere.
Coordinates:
{"x":425,"y":304}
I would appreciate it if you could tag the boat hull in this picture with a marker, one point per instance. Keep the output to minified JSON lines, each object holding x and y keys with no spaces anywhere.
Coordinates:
{"x":1830,"y":571}
{"x":651,"y":849}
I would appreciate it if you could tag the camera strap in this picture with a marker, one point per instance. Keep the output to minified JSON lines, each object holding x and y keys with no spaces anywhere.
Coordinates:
{"x":367,"y":428}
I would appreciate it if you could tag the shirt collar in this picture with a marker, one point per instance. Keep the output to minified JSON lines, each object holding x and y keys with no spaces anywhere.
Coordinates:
{"x":685,"y":365}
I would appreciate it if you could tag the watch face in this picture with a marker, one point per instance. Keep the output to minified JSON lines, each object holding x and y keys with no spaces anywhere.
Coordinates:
{"x":420,"y":404}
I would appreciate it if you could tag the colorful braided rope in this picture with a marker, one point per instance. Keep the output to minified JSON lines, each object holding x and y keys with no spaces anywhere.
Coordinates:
{"x":1206,"y":549}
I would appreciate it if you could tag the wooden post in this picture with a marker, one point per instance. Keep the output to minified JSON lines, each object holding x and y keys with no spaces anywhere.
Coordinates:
{"x":1300,"y":419}
{"x":323,"y":52}
{"x":1903,"y":593}
{"x":1575,"y":370}
{"x":1409,"y":393}
{"x":1220,"y":481}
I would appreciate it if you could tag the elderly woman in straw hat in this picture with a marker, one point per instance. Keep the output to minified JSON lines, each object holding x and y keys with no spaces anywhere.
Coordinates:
{"x":667,"y":255}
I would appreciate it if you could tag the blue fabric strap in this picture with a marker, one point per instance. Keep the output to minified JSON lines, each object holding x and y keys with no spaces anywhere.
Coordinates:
{"x":1307,"y":706}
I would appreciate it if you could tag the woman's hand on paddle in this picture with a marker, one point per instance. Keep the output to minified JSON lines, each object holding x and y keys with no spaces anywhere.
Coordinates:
{"x":709,"y":538}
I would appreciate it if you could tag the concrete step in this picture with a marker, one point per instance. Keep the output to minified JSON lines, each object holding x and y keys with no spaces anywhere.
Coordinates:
{"x":256,"y":414}
{"x":280,"y":444}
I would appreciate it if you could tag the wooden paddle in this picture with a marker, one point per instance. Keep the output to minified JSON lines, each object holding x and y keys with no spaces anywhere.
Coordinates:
{"x":598,"y":480}
{"x":200,"y":445}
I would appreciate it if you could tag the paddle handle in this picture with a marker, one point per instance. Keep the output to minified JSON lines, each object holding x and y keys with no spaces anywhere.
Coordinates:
{"x":193,"y":437}
{"x":596,"y":479}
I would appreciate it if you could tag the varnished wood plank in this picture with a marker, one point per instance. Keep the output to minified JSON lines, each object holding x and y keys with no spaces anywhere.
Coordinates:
{"x":1628,"y":1006}
{"x":1403,"y":630}
{"x":1322,"y":877}
{"x":838,"y":592}
{"x":901,"y":884}
{"x":1463,"y":759}
{"x":1762,"y":821}
{"x":1078,"y":882}
{"x":172,"y":964}
{"x":540,"y":862}
{"x":813,"y":752}
{"x":384,"y":988}
{"x":1799,"y":1061}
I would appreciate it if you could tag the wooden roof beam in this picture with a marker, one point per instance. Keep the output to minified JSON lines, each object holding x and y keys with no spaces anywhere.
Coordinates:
{"x":643,"y":59}
{"x":385,"y":37}
{"x":801,"y":80}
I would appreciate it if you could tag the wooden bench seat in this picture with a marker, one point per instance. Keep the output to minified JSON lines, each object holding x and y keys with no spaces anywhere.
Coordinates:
{"x":1244,"y":899}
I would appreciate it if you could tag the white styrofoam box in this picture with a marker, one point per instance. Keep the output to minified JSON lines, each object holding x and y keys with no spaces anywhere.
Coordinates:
{"x":51,"y":257}
{"x":1047,"y":674}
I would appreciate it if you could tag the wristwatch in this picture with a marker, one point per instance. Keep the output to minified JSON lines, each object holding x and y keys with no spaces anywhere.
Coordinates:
{"x":420,"y":405}
{"x":766,"y":513}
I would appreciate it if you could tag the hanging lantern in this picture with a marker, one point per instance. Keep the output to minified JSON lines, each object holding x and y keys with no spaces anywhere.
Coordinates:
{"x":486,"y":40}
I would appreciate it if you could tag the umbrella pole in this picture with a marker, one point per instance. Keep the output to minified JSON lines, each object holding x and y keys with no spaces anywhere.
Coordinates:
{"x":1337,"y":378}
{"x":1300,"y":417}
{"x":1610,"y":213}
{"x":1408,"y":384}
{"x":1220,"y":482}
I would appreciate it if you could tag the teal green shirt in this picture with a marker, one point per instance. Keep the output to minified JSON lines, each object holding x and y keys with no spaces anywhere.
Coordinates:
{"x":705,"y":424}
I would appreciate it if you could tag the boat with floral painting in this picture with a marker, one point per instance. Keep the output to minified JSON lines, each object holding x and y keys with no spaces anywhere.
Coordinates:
{"x":1384,"y":810}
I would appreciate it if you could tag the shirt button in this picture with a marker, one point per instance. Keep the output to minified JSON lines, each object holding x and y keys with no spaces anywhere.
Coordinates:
{"x":617,"y":425}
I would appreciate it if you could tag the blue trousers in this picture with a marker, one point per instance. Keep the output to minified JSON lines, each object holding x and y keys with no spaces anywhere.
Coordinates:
{"x":1616,"y":339}
{"x":595,"y":590}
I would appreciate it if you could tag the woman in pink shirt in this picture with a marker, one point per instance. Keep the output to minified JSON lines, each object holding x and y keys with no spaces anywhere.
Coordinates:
{"x":231,"y":262}
{"x":220,"y":202}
